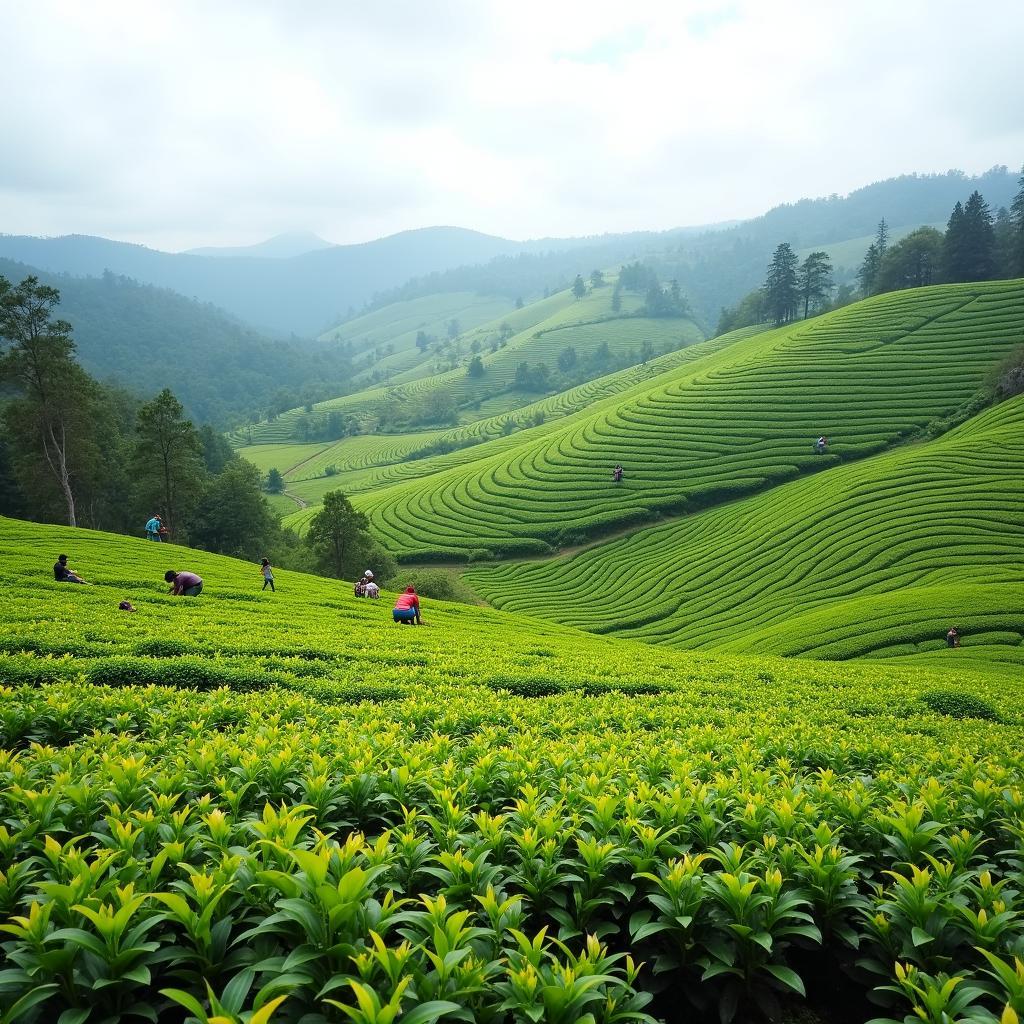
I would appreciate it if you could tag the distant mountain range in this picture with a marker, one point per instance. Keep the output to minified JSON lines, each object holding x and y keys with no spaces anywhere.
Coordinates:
{"x":298,"y":283}
{"x":282,"y":247}
{"x":302,"y":294}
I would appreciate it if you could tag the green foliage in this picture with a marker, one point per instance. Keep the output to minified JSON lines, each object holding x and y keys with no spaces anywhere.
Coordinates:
{"x":272,"y":808}
{"x":957,"y":704}
{"x":274,"y":482}
{"x":737,"y":416}
{"x":875,"y":558}
{"x":232,"y":516}
{"x":781,"y":286}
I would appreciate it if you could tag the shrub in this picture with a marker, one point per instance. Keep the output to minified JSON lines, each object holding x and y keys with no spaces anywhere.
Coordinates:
{"x":956,"y":704}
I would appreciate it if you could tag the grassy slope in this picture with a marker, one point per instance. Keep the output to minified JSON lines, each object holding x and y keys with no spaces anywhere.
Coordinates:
{"x":542,"y":329}
{"x":398,"y":324}
{"x":487,"y":438}
{"x":873,"y":559}
{"x":645,"y":771}
{"x":726,"y":425}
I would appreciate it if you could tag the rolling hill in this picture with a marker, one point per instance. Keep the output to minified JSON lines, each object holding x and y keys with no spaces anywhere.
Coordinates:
{"x":300,"y":294}
{"x":536,"y":334}
{"x":873,"y":559}
{"x":276,"y":799}
{"x":146,"y":338}
{"x":733,"y":423}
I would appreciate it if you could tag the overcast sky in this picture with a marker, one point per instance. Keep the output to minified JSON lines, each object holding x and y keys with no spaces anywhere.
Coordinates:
{"x":180,"y":123}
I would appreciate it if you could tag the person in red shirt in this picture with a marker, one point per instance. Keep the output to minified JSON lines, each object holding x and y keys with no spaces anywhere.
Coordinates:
{"x":407,"y":608}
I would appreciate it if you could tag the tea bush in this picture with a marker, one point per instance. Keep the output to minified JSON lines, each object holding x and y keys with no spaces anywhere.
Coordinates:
{"x":397,"y":836}
{"x":877,"y":558}
{"x":729,"y":423}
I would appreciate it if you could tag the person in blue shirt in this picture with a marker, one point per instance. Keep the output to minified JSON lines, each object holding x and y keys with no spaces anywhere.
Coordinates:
{"x":153,"y":528}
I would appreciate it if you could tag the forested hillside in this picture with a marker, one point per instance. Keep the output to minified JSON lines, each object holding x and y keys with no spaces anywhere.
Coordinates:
{"x":147,"y":338}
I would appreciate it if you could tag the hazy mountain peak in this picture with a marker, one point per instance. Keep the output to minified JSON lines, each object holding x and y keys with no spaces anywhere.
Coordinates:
{"x":283,"y":246}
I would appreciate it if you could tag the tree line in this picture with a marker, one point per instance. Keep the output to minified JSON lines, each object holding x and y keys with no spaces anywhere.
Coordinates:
{"x":76,"y":451}
{"x":977,"y":245}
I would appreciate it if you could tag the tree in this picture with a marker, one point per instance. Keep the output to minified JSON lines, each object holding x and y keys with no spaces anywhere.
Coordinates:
{"x":39,"y":362}
{"x":168,"y":458}
{"x":913,"y":262}
{"x":338,"y":536}
{"x":567,"y":359}
{"x":579,"y":288}
{"x":1017,"y":235}
{"x":475,"y":368}
{"x":780,"y":287}
{"x":422,"y":341}
{"x":519,"y":302}
{"x":616,"y":299}
{"x":275,"y":482}
{"x":335,"y":426}
{"x":232,"y":517}
{"x":969,"y":248}
{"x":596,"y":279}
{"x":814,"y":280}
{"x":217,"y":452}
{"x":867,"y":272}
{"x":505,"y":331}
{"x":882,"y":239}
{"x":454,"y":330}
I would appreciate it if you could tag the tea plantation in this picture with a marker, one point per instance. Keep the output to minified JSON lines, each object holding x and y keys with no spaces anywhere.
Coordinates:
{"x":281,"y":806}
{"x":540,"y":332}
{"x":732,"y":423}
{"x":874,"y":558}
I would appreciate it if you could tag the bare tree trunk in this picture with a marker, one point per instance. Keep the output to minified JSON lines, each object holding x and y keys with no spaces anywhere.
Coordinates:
{"x":58,"y":463}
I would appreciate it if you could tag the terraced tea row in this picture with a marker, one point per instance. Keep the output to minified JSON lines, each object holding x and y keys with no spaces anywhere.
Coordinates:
{"x":463,"y":821}
{"x":727,"y":425}
{"x":877,"y":558}
{"x":542,"y":331}
{"x":366,"y":462}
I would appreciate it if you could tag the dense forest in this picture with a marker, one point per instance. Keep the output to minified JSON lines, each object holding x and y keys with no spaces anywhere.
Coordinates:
{"x":145,"y":338}
{"x":717,"y":267}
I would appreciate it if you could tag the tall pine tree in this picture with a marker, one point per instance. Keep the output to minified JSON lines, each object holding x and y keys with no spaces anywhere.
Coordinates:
{"x":815,"y":280}
{"x":970,"y":244}
{"x":781,"y":294}
{"x":1017,"y":233}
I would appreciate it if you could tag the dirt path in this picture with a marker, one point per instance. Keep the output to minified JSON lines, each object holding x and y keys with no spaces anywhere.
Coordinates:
{"x":301,"y":502}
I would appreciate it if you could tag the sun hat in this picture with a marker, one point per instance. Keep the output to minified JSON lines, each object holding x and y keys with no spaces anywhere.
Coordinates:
{"x":368,"y":573}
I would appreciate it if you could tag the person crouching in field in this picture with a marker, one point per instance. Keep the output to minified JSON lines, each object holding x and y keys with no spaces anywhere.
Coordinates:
{"x":268,"y":574}
{"x":407,"y":608}
{"x":953,"y":637}
{"x":184,"y":584}
{"x":61,"y":572}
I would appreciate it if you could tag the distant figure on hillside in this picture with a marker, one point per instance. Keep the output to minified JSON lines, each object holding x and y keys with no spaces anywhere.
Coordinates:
{"x":61,"y":572}
{"x":617,"y":475}
{"x":127,"y":606}
{"x":268,"y":574}
{"x":820,"y":445}
{"x":953,"y":637}
{"x":153,"y":528}
{"x":184,"y":584}
{"x":407,"y":608}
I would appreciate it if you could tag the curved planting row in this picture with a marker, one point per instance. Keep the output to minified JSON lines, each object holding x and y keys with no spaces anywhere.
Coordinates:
{"x":542,"y":330}
{"x":875,"y":558}
{"x":477,"y":440}
{"x":726,"y":425}
{"x":280,"y":807}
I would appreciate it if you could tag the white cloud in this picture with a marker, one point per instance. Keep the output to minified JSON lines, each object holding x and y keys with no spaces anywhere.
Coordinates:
{"x":191,"y":123}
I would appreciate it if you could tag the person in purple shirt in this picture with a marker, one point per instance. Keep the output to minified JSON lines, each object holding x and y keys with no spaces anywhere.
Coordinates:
{"x":184,"y":584}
